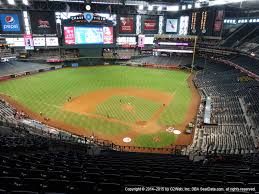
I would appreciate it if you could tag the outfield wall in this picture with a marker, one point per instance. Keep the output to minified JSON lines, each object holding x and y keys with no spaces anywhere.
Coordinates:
{"x":87,"y":62}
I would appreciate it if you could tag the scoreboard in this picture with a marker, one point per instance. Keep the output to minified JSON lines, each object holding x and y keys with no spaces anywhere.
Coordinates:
{"x":76,"y":35}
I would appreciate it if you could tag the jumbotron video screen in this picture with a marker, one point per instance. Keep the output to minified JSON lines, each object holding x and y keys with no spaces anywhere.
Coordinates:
{"x":75,"y":35}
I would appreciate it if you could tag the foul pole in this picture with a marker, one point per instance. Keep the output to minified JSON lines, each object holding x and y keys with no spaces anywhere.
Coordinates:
{"x":193,"y":55}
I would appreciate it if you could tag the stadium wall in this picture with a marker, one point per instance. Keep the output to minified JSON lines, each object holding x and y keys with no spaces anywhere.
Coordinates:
{"x":90,"y":56}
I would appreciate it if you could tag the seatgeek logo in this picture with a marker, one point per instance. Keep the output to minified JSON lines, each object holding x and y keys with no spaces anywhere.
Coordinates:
{"x":10,"y":23}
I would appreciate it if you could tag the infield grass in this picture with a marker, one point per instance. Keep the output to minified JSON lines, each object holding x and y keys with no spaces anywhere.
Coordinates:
{"x":138,"y":109}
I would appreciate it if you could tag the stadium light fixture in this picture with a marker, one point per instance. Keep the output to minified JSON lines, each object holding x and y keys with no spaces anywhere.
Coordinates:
{"x":88,"y":7}
{"x":71,"y":1}
{"x":189,"y":6}
{"x":174,"y":43}
{"x":58,"y":21}
{"x":25,"y":14}
{"x":107,"y":2}
{"x":173,"y":51}
{"x":159,"y":8}
{"x":183,"y":7}
{"x":223,"y":2}
{"x":11,"y":2}
{"x":141,"y":7}
{"x":150,"y":7}
{"x":25,"y":2}
{"x":197,"y":5}
{"x":172,"y":8}
{"x":218,"y":2}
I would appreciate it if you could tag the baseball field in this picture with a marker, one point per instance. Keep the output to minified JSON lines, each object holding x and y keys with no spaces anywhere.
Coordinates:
{"x":110,"y":102}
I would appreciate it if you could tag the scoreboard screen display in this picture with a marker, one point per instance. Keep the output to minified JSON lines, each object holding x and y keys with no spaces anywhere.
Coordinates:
{"x":88,"y":35}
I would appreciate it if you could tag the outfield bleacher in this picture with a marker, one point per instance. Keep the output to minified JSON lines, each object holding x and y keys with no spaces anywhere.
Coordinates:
{"x":163,"y":60}
{"x":248,"y":63}
{"x":14,"y":67}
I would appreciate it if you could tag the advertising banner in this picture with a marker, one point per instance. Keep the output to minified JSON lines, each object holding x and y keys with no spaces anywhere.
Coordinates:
{"x":15,"y":42}
{"x":39,"y":41}
{"x":10,"y":22}
{"x":184,"y":23}
{"x":127,"y":25}
{"x":74,"y":65}
{"x":217,"y":26}
{"x":220,"y":15}
{"x":43,"y":22}
{"x":171,"y":25}
{"x":141,"y":41}
{"x":149,"y":40}
{"x":45,"y":41}
{"x":218,"y":21}
{"x":28,"y":42}
{"x":127,"y":41}
{"x":108,"y":35}
{"x":69,"y":35}
{"x":150,"y":25}
{"x":52,"y":41}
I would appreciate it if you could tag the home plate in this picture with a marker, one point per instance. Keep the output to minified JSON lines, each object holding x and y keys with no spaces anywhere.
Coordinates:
{"x":126,"y":139}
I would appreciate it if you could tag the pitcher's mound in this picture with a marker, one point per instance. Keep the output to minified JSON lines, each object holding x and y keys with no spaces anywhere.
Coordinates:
{"x":127,"y":107}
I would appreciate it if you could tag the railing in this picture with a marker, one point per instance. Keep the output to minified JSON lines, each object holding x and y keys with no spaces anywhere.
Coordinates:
{"x":213,"y":152}
{"x":249,"y":73}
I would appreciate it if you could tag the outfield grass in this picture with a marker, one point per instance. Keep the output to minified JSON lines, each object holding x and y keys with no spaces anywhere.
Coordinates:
{"x":143,"y":109}
{"x":175,"y":112}
{"x":48,"y":92}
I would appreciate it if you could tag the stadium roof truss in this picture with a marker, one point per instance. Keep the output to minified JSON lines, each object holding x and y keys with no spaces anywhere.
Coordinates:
{"x":129,"y":6}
